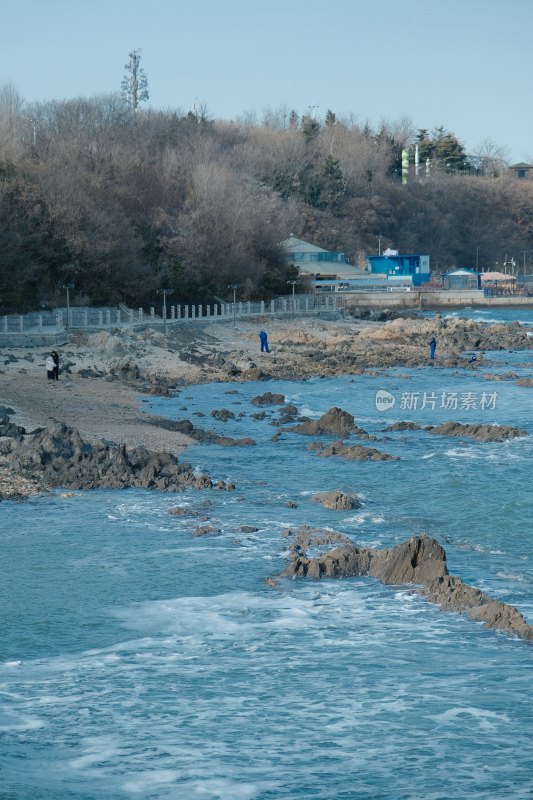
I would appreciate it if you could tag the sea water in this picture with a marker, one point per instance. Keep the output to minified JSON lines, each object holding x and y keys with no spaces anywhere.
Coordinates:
{"x":139,"y":660}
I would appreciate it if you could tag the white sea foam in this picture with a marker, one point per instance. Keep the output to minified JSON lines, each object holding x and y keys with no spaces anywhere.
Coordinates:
{"x":486,"y":720}
{"x":201,"y":788}
{"x":10,"y":721}
{"x":97,"y":750}
{"x":363,"y":517}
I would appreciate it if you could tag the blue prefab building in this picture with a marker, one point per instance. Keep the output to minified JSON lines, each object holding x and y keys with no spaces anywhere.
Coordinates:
{"x":412,"y":266}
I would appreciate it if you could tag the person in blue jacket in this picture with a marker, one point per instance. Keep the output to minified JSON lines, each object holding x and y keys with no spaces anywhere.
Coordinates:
{"x":432,"y":348}
{"x":263,"y":338}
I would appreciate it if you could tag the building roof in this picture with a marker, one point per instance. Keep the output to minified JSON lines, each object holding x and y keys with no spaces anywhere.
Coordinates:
{"x":462,"y":271}
{"x":333,"y":263}
{"x":521,"y":165}
{"x":294,"y":245}
{"x":496,"y":276}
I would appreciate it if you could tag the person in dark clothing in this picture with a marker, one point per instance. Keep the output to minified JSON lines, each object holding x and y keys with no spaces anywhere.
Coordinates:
{"x":55,"y":356}
{"x":263,"y":338}
{"x":432,"y":348}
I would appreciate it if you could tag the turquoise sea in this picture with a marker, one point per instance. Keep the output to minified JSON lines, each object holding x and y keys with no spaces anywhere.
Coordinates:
{"x":138,"y":660}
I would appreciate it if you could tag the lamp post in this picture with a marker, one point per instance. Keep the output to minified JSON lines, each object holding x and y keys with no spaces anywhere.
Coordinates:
{"x":293,"y":284}
{"x":234,"y":286}
{"x":342,"y":288}
{"x":164,"y":292}
{"x":68,"y":287}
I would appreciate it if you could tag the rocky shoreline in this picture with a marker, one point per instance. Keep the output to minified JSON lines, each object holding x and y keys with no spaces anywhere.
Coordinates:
{"x":71,"y":449}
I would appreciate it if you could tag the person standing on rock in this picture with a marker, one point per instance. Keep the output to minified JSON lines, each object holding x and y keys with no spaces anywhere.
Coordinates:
{"x":50,"y":368}
{"x":432,"y":348}
{"x":55,"y":356}
{"x":263,"y":338}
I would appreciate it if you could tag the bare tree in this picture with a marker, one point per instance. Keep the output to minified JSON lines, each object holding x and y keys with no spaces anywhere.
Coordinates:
{"x":11,"y":119}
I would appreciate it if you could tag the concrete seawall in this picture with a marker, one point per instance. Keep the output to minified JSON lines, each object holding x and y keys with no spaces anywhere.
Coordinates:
{"x":442,"y":299}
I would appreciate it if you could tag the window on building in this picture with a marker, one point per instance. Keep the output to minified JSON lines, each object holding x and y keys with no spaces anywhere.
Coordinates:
{"x":521,"y":173}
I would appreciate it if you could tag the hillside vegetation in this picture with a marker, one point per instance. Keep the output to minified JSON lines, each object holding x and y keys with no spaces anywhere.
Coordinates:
{"x":120,"y":204}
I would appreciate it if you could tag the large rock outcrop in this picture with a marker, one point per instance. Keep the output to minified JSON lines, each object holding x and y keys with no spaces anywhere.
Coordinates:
{"x":59,"y":457}
{"x":483,"y":432}
{"x":337,"y":500}
{"x":269,"y":399}
{"x":420,"y":560}
{"x":351,"y":452}
{"x":334,"y":422}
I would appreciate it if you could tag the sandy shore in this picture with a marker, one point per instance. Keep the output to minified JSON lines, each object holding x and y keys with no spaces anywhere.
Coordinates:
{"x":104,"y":377}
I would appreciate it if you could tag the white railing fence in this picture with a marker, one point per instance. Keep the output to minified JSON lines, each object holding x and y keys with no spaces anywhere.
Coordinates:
{"x":61,"y":321}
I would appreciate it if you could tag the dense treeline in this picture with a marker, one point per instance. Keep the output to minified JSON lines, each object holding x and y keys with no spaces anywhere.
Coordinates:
{"x":121,"y":203}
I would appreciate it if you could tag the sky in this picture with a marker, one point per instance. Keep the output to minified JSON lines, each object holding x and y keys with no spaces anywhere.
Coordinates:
{"x":466,"y":65}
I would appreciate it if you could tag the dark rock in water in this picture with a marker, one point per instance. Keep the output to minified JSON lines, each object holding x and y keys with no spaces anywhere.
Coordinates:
{"x":186,"y":427}
{"x":525,"y":382}
{"x":334,"y":422}
{"x":304,"y":536}
{"x":223,"y":414}
{"x":504,"y":376}
{"x":420,"y":560}
{"x":269,"y":399}
{"x":206,"y":530}
{"x":59,"y":457}
{"x":451,"y":594}
{"x":403,"y":426}
{"x":248,"y":529}
{"x":6,"y":411}
{"x":481,"y":432}
{"x":337,"y":500}
{"x":227,"y":441}
{"x":182,"y":511}
{"x":289,"y":409}
{"x":354,"y":452}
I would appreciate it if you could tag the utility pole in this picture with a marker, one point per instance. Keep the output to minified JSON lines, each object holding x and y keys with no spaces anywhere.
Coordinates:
{"x":68,"y":287}
{"x":134,"y":83}
{"x":164,"y":292}
{"x":234,"y":286}
{"x":293,"y":284}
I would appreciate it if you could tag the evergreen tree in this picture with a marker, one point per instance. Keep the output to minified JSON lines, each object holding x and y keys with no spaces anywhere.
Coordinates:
{"x":330,"y":118}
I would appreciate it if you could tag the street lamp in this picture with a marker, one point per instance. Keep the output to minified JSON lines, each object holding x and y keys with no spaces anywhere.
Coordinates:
{"x":164,"y":292}
{"x":234,"y":286}
{"x":293,"y":284}
{"x":342,"y":288}
{"x":68,"y":287}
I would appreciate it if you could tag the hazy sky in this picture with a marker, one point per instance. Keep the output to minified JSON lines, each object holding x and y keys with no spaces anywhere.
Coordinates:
{"x":463,"y":64}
